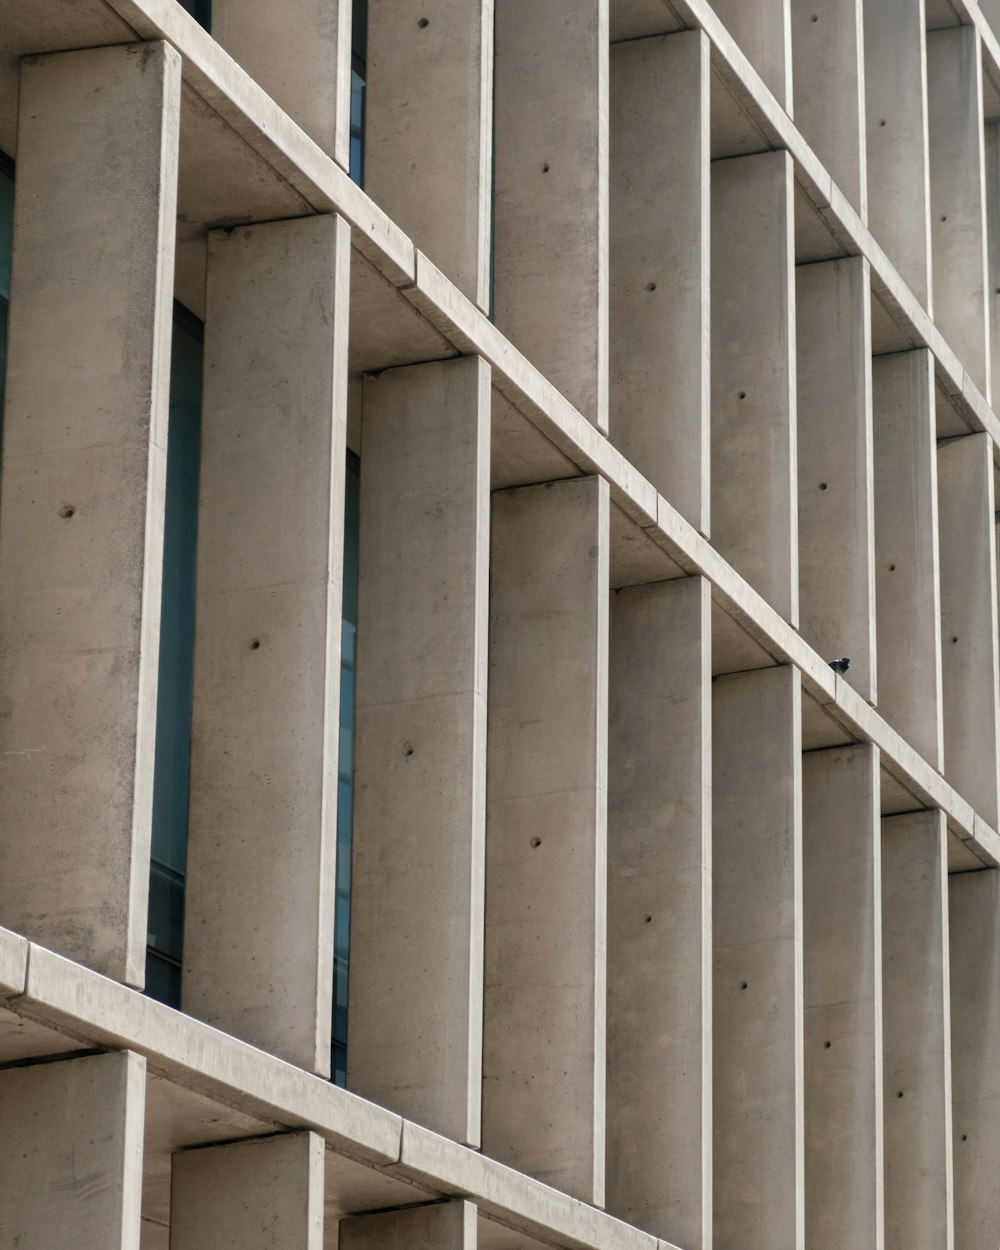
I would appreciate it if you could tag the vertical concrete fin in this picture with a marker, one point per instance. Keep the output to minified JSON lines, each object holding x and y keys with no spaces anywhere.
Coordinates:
{"x":897,"y":139}
{"x":835,"y":466}
{"x":754,"y":497}
{"x":974,"y":923}
{"x":907,"y":591}
{"x":73,"y":1140}
{"x":842,"y":964}
{"x":659,"y":317}
{"x":551,"y":178}
{"x":757,"y":959}
{"x":429,"y":150}
{"x":969,"y":664}
{"x":544,"y":1028}
{"x":763,"y":29}
{"x":255,"y":1194}
{"x":258,"y":951}
{"x":416,"y":978}
{"x":958,"y":195}
{"x":81,"y":514}
{"x":660,"y":911}
{"x":917,"y":1033}
{"x":828,"y":54}
{"x":299,"y":51}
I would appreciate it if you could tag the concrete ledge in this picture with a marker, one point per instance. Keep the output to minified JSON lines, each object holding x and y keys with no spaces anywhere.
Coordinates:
{"x":13,"y":964}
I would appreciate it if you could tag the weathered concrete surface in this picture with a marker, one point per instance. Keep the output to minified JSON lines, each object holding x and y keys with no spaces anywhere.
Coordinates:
{"x":257,"y":1195}
{"x":417,"y":890}
{"x":72,"y":1153}
{"x":828,"y":55}
{"x":258,"y":950}
{"x":754,"y":502}
{"x":974,"y":966}
{"x":429,"y":152}
{"x":659,"y":1118}
{"x":917,"y":1032}
{"x":842,"y":967}
{"x":659,"y":265}
{"x":907,"y":588}
{"x":763,"y":30}
{"x":970,"y":669}
{"x":896,"y":126}
{"x":544,"y":1026}
{"x":550,"y":246}
{"x":835,"y":466}
{"x":956,"y":163}
{"x":81,"y":514}
{"x":299,"y":51}
{"x":757,"y":1093}
{"x":440,"y":1226}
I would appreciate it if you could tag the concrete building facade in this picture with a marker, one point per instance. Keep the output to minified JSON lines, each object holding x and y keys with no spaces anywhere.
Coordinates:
{"x":499,"y":677}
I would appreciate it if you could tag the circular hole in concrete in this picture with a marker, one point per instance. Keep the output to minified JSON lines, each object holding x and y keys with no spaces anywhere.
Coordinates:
{"x":650,"y":286}
{"x":66,"y":511}
{"x":899,"y":1093}
{"x":892,"y":568}
{"x":965,"y":1137}
{"x":424,"y":22}
{"x":536,"y":842}
{"x":822,"y":485}
{"x":743,"y":985}
{"x":741,"y":394}
{"x":955,"y":638}
{"x":827,"y":1045}
{"x":647,"y":920}
{"x":545,"y":168}
{"x":882,"y":122}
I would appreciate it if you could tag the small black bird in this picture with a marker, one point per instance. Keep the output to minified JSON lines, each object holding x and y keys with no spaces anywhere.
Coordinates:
{"x":841,"y":665}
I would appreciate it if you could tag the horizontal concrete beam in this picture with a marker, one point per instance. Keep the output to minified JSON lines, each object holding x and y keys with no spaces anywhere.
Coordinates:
{"x":92,"y":1010}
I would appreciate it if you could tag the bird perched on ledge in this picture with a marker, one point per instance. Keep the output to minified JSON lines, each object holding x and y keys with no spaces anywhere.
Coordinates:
{"x":840,"y":666}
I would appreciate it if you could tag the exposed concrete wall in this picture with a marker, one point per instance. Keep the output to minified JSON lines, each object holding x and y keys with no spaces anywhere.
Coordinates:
{"x":842,"y":973}
{"x":434,"y":146}
{"x":916,"y":1005}
{"x":974,"y":919}
{"x":835,"y":466}
{"x":72,"y":1153}
{"x":416,"y":971}
{"x":550,"y":247}
{"x":544,"y":1030}
{"x":896,"y":126}
{"x":754,"y":500}
{"x":762,"y":28}
{"x":969,"y":662}
{"x":958,"y":195}
{"x":908,"y":602}
{"x":659,"y":318}
{"x":300,"y":53}
{"x":263,"y":808}
{"x":81,"y":514}
{"x":757,"y":965}
{"x":258,"y":1195}
{"x":828,"y":55}
{"x":439,"y":1226}
{"x":660,"y":911}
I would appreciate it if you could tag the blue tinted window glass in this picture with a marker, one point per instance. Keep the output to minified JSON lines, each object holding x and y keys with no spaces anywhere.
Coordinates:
{"x":342,"y":915}
{"x":359,"y":75}
{"x":173,"y":708}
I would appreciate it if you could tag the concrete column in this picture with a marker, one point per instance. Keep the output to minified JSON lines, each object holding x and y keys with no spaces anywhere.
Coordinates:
{"x":257,"y":1194}
{"x":81,"y":510}
{"x":450,"y":1225}
{"x":299,"y":51}
{"x":828,"y":53}
{"x":836,"y":471}
{"x":416,"y":982}
{"x":915,"y":997}
{"x":842,"y":959}
{"x":969,"y":663}
{"x":991,"y":132}
{"x":659,"y":911}
{"x":429,"y":130}
{"x":544,"y":1034}
{"x":757,"y":961}
{"x":72,"y":1136}
{"x":659,"y":326}
{"x":258,"y":949}
{"x":907,"y":592}
{"x":762,"y":28}
{"x":550,"y":247}
{"x":958,"y":195}
{"x":896,"y":128}
{"x":974,"y":922}
{"x":754,"y":496}
{"x":659,"y":323}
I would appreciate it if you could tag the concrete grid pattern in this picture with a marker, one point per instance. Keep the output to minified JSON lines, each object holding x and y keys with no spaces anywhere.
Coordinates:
{"x":664,"y":333}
